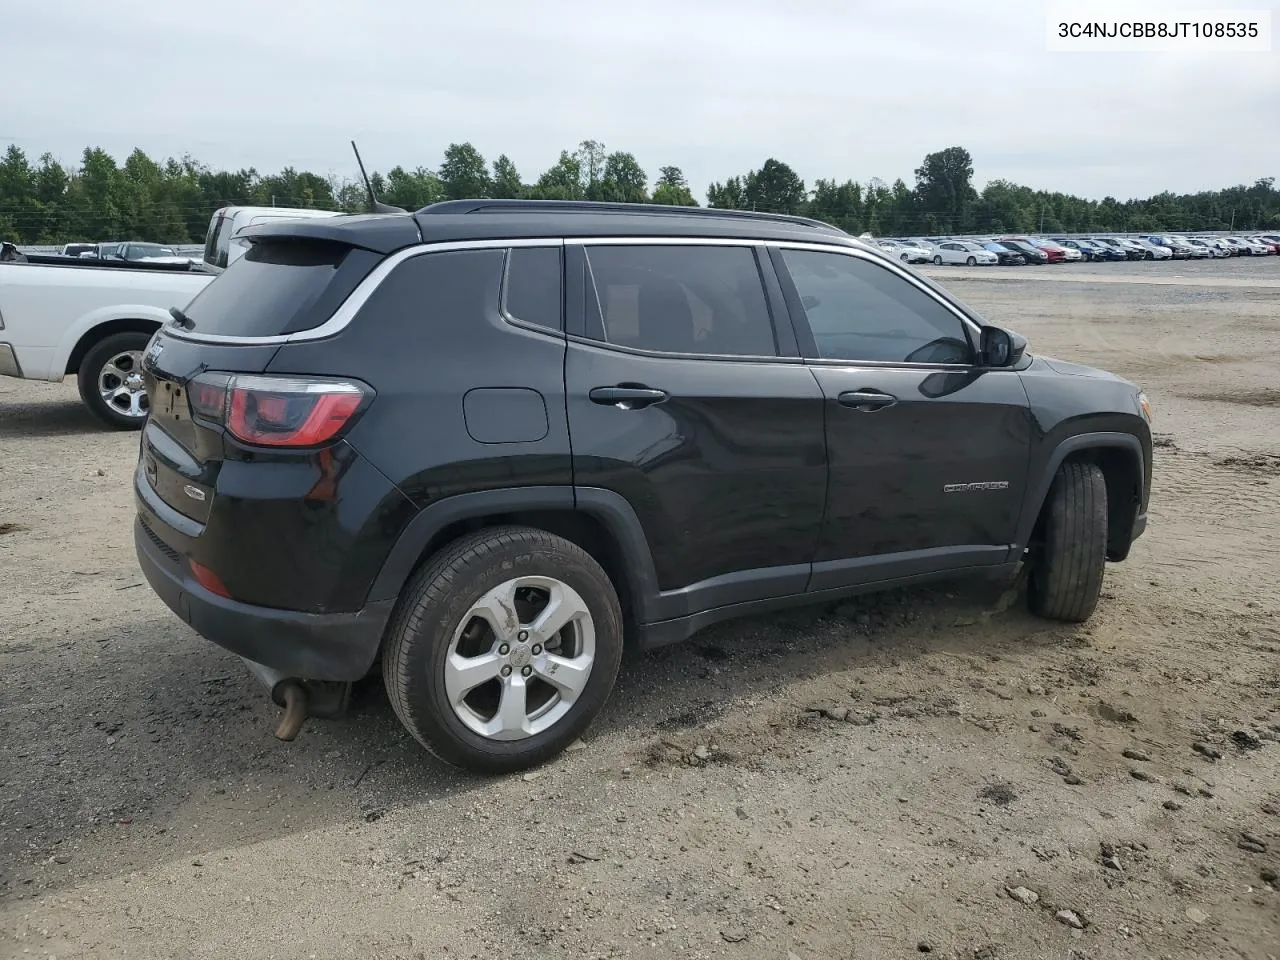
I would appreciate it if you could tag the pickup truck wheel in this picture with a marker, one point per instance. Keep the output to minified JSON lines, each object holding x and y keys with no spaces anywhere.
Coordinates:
{"x":503,"y":649}
{"x":1066,"y":572}
{"x":111,"y":383}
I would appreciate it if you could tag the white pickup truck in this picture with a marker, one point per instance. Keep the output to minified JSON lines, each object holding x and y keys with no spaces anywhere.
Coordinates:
{"x":93,"y":318}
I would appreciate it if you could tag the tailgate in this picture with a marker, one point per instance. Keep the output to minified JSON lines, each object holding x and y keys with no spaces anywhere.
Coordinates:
{"x":234,"y":326}
{"x":180,"y":456}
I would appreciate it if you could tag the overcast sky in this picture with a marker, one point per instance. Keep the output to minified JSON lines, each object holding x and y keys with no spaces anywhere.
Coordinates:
{"x":836,"y":88}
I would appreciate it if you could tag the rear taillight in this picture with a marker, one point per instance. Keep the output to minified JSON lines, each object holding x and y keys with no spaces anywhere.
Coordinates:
{"x":278,"y":411}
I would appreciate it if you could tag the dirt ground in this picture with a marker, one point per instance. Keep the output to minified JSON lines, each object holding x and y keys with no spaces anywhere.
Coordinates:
{"x":869,"y":780}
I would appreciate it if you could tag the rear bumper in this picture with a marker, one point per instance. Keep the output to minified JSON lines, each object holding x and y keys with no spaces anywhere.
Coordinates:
{"x":309,"y":646}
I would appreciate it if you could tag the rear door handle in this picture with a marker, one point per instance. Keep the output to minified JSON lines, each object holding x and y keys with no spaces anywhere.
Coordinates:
{"x":627,"y":398}
{"x":867,"y":401}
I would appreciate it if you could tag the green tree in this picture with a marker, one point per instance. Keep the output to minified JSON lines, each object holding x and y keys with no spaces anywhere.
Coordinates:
{"x":838,"y":204}
{"x":171,"y":200}
{"x":591,"y":159}
{"x":730,"y":195}
{"x":18,"y":195}
{"x":775,"y":188}
{"x":623,"y":180}
{"x":464,"y":173}
{"x":672,"y":188}
{"x":561,"y":182}
{"x":944,"y":186}
{"x":98,"y":198}
{"x":412,"y":190}
{"x":505,"y":183}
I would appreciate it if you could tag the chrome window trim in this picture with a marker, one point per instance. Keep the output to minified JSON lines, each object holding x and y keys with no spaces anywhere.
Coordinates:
{"x":665,"y":241}
{"x":899,"y":365}
{"x":343,"y":316}
{"x":361,"y":294}
{"x":665,"y":355}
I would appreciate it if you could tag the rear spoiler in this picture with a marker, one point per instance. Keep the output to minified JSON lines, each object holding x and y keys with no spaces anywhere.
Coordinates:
{"x":378,"y":232}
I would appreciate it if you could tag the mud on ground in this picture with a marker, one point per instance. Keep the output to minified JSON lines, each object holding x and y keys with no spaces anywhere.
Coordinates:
{"x":924,"y":772}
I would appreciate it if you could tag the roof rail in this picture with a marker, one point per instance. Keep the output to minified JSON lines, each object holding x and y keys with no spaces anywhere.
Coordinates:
{"x":596,"y":206}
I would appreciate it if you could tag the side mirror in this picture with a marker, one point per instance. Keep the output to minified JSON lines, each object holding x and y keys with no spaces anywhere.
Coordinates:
{"x":1000,"y":347}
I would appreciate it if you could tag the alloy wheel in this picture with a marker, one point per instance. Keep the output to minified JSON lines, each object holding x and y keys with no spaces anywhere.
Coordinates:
{"x":520,"y":658}
{"x":121,"y":385}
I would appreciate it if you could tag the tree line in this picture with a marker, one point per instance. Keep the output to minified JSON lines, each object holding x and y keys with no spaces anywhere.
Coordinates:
{"x":171,"y":201}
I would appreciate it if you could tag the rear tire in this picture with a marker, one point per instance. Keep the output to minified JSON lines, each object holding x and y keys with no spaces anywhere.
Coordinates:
{"x":1066,"y":576}
{"x":937,"y":261}
{"x":107,"y":380}
{"x":437,"y":640}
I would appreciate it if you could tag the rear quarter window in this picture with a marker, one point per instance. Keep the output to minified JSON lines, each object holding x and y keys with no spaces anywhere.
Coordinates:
{"x":280,"y":287}
{"x":532,"y":289}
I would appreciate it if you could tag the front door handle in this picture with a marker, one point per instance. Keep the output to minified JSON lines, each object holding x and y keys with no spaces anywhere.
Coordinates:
{"x":867,"y":401}
{"x":627,"y":397}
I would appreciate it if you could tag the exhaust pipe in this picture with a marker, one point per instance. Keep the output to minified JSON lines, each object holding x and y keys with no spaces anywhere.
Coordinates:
{"x":295,"y":710}
{"x":299,"y":698}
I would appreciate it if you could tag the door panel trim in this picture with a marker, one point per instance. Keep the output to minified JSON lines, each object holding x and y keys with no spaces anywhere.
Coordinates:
{"x":854,"y":571}
{"x":667,"y":632}
{"x":741,"y":586}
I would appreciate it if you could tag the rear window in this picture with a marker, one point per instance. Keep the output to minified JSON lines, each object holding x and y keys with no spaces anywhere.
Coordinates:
{"x":218,"y":241}
{"x":279,"y":287}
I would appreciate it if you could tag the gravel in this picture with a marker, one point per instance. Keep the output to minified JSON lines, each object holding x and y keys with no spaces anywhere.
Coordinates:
{"x":755,"y":835}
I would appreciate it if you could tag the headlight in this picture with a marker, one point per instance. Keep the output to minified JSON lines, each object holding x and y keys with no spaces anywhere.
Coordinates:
{"x":1144,"y":404}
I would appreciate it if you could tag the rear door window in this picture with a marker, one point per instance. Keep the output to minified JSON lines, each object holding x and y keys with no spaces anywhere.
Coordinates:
{"x":688,"y":299}
{"x":279,"y":287}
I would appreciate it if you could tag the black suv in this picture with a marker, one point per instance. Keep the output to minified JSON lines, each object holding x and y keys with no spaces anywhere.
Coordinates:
{"x":479,"y":443}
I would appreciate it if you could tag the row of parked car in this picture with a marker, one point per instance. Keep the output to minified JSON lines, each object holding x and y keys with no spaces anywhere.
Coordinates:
{"x":1018,"y":250}
{"x":131,"y":250}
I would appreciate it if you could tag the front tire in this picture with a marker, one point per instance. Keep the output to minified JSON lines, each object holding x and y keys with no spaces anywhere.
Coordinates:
{"x":937,"y":261}
{"x":1066,"y":575}
{"x":110,"y":380}
{"x":971,"y":262}
{"x":503,"y":649}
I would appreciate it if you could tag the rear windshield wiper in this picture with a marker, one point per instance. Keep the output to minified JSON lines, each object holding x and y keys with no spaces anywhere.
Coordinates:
{"x":181,"y":319}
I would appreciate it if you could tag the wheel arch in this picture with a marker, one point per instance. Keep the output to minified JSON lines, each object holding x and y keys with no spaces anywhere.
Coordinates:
{"x":102,"y":330}
{"x":599,"y":521}
{"x":1119,"y":456}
